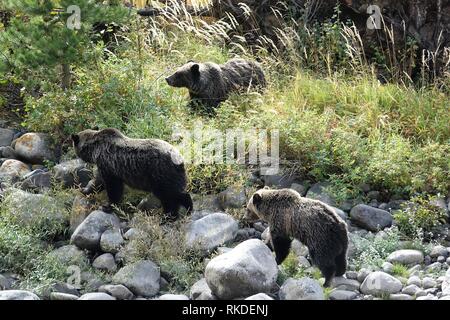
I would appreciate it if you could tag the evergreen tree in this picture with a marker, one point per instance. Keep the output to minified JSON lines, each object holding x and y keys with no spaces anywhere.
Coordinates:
{"x":50,"y":37}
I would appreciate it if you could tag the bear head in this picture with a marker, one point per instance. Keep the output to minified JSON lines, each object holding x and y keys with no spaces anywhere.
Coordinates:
{"x":87,"y":143}
{"x":255,"y":204}
{"x":185,"y":76}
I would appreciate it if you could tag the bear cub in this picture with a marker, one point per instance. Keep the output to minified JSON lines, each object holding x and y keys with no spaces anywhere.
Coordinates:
{"x":312,"y":222}
{"x":209,"y":83}
{"x":146,"y":164}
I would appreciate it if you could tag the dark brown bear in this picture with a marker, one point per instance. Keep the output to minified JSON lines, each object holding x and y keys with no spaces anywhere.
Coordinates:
{"x":146,"y":164}
{"x":210,"y":83}
{"x":312,"y":222}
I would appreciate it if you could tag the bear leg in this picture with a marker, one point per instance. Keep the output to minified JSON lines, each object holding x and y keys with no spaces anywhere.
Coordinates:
{"x":281,"y":246}
{"x":328,"y":272}
{"x":186,"y":201}
{"x":341,"y":263}
{"x":114,"y":189}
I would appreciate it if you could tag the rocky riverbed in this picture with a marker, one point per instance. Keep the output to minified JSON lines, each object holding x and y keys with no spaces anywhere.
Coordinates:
{"x":237,"y":263}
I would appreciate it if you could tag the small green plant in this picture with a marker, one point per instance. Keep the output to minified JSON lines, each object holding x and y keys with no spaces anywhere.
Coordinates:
{"x":400,"y":270}
{"x":419,"y":216}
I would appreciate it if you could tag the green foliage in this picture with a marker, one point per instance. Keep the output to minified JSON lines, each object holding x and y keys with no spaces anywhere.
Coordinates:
{"x":38,"y":39}
{"x":400,"y":270}
{"x":372,"y":251}
{"x":419,"y":216}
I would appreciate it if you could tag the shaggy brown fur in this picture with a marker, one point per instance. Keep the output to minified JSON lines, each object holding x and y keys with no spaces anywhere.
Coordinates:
{"x":312,"y":222}
{"x":146,"y":164}
{"x":210,"y":83}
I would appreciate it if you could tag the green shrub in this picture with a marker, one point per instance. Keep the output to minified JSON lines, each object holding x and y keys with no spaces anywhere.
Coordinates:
{"x":419,"y":216}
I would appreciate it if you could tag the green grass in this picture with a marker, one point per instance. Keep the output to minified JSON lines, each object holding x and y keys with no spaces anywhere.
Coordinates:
{"x":400,"y":270}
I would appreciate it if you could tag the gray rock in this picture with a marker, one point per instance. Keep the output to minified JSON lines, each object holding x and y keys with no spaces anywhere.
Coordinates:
{"x":301,"y":289}
{"x":346,"y":284}
{"x":441,"y":259}
{"x":415,"y":270}
{"x":427,"y":297}
{"x":248,"y":269}
{"x":111,"y":241}
{"x":260,"y":226}
{"x":173,"y":297}
{"x":303,"y":262}
{"x":444,"y":298}
{"x":362,"y":274}
{"x":211,"y":231}
{"x":278,"y":180}
{"x":411,"y":289}
{"x":370,"y":218}
{"x":70,"y":255}
{"x":342,"y":295}
{"x":414,"y":280}
{"x":72,"y":173}
{"x":434,"y":267}
{"x":400,"y":296}
{"x":300,"y":188}
{"x":17,"y":295}
{"x":30,"y":209}
{"x":201,"y":291}
{"x":428,"y":283}
{"x":421,"y":293}
{"x":440,"y":203}
{"x":259,"y":296}
{"x":8,"y":153}
{"x":378,"y":283}
{"x":5,"y":283}
{"x":88,"y":234}
{"x":105,"y":262}
{"x":319,"y":191}
{"x":6,"y":137}
{"x":96,"y":296}
{"x":353,"y":275}
{"x":374,"y":195}
{"x":232,"y":198}
{"x":406,"y":257}
{"x":299,"y":249}
{"x":141,"y":277}
{"x":59,"y":296}
{"x":92,"y":281}
{"x":447,"y":261}
{"x":36,"y":180}
{"x":131,"y":234}
{"x":445,"y":286}
{"x":120,"y":292}
{"x":439,"y":250}
{"x":13,"y":170}
{"x":34,"y":148}
{"x":387,"y":267}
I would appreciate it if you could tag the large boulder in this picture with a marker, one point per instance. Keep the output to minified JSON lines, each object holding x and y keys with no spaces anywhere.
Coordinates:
{"x":378,"y":283}
{"x":36,"y":180}
{"x":17,"y":295}
{"x":111,"y":241}
{"x":34,"y":148}
{"x":406,"y":257}
{"x":142,"y":278}
{"x":72,"y":173}
{"x":301,"y":289}
{"x":88,"y":234}
{"x":105,"y":262}
{"x":211,"y":231}
{"x":248,"y":269}
{"x":370,"y":218}
{"x":13,"y":170}
{"x":6,"y":137}
{"x":118,"y":291}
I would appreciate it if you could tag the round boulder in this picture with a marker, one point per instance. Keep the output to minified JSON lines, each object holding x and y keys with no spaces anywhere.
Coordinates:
{"x":378,"y":283}
{"x":301,"y":289}
{"x":142,"y":278}
{"x":406,"y":257}
{"x":370,"y":218}
{"x":34,"y":148}
{"x":248,"y":269}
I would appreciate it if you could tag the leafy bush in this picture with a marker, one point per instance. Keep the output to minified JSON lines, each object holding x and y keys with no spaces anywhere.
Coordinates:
{"x":419,"y":215}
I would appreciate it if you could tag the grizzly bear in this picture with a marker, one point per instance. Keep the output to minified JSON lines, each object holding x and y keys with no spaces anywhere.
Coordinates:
{"x":312,"y":222}
{"x":146,"y":164}
{"x":210,"y":83}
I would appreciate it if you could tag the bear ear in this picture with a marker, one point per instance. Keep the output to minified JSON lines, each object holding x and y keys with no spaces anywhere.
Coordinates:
{"x":195,"y":69}
{"x":266,"y":188}
{"x":75,"y":139}
{"x":257,"y":199}
{"x":96,"y":128}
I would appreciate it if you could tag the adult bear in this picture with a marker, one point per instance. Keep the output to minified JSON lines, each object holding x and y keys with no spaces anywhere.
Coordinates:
{"x":146,"y":164}
{"x":312,"y":222}
{"x":211,"y":83}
